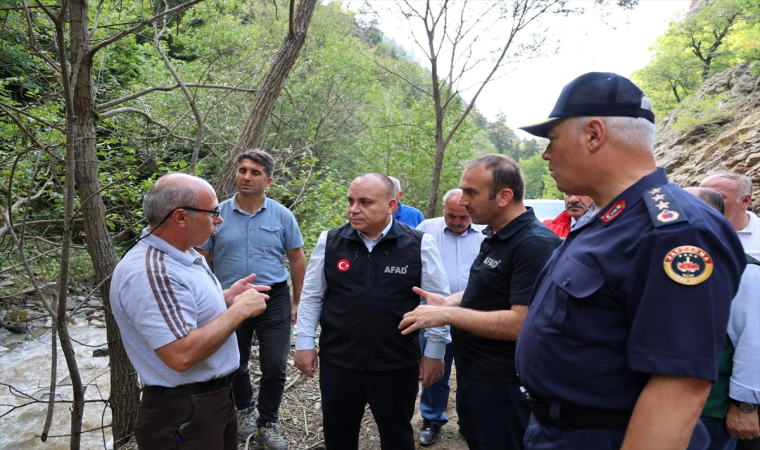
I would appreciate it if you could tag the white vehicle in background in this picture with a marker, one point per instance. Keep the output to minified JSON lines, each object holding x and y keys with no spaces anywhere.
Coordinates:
{"x":544,"y":208}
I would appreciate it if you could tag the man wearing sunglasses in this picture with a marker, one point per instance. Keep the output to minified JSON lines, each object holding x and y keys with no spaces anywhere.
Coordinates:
{"x":257,"y":235}
{"x":177,"y":323}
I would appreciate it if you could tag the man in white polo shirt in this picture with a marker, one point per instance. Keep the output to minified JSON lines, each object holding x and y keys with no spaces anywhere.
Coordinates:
{"x":177,"y":323}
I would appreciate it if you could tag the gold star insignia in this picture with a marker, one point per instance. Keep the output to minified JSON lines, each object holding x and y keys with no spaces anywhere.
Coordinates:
{"x":662,"y":205}
{"x":655,"y":191}
{"x":658,"y":197}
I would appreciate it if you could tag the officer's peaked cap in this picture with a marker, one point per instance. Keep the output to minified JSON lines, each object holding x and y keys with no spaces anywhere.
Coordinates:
{"x":594,"y":94}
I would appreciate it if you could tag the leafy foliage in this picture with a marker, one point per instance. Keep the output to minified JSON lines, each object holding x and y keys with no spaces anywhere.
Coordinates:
{"x":719,"y":35}
{"x":340,"y":113}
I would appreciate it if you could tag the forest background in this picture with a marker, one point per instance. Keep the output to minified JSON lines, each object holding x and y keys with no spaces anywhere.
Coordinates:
{"x":173,"y":82}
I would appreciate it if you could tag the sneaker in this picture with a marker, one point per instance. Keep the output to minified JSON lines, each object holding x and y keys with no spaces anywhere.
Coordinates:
{"x":269,"y":437}
{"x":246,"y":422}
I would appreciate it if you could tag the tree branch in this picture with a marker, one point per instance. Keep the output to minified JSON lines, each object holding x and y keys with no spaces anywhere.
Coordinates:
{"x":129,"y":97}
{"x":32,"y":40}
{"x":190,"y":99}
{"x":127,"y":32}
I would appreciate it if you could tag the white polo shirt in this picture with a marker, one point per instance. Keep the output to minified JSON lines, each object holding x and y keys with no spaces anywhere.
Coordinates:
{"x":158,"y":295}
{"x":750,"y":236}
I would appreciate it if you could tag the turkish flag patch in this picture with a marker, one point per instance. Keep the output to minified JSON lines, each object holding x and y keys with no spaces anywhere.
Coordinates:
{"x":344,"y":265}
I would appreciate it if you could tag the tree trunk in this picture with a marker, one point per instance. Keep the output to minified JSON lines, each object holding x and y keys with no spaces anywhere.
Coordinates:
{"x":435,"y":182}
{"x":269,"y":92}
{"x":125,"y":395}
{"x":706,"y":68}
{"x":440,"y":115}
{"x":675,"y":93}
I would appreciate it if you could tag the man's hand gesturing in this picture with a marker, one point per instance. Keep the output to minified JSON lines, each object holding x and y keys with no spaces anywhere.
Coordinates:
{"x":252,"y":302}
{"x":240,"y":286}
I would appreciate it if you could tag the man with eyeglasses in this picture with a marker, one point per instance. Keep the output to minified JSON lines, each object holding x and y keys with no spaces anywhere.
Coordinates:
{"x":257,"y":235}
{"x":177,"y":323}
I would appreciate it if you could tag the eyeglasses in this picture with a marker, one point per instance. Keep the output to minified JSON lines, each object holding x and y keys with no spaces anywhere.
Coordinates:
{"x":215,"y":212}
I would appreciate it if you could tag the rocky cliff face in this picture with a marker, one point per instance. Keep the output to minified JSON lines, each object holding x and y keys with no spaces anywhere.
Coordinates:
{"x":715,"y":130}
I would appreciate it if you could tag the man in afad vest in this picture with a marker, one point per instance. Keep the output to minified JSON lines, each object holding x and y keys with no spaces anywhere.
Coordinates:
{"x":358,"y":286}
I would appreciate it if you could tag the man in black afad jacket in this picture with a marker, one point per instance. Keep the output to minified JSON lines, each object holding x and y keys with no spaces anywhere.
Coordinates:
{"x":358,"y":286}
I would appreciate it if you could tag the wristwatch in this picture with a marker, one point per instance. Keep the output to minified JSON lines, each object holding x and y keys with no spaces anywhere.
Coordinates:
{"x":746,"y":407}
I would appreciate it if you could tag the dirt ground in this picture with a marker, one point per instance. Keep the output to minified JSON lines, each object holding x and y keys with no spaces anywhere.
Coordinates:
{"x":301,"y":415}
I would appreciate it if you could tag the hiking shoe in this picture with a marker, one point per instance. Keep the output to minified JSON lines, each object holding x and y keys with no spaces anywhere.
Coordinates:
{"x":246,"y":419}
{"x":269,"y":437}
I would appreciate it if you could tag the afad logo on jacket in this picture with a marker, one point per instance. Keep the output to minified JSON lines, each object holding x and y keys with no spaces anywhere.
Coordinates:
{"x":396,"y":269}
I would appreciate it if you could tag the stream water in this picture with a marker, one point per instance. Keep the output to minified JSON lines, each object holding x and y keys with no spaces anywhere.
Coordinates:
{"x":25,"y":364}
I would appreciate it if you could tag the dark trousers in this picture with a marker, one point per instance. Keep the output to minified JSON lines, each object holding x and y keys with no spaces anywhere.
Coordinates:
{"x":719,"y":438}
{"x":748,"y":444}
{"x":434,"y":399}
{"x":549,"y":437}
{"x":491,"y":415}
{"x":390,"y":394}
{"x":273,"y":332}
{"x":203,"y":421}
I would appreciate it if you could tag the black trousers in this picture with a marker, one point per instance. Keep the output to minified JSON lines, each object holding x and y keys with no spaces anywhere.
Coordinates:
{"x":491,"y":415}
{"x":748,"y":444}
{"x":390,"y":394}
{"x":273,"y":331}
{"x":200,"y":421}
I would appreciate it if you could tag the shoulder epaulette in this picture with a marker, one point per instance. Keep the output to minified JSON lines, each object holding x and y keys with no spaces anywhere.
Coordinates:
{"x":663,"y":207}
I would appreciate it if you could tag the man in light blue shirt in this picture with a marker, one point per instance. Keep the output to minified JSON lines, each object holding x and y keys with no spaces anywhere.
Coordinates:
{"x":459,"y":243}
{"x":405,"y":214}
{"x":257,"y":235}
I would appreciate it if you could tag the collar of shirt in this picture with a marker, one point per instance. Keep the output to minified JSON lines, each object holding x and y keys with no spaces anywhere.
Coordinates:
{"x":515,"y":224}
{"x":397,"y":214}
{"x":751,"y":225}
{"x":370,"y":243}
{"x":588,"y":215}
{"x":187,"y":258}
{"x":237,"y":208}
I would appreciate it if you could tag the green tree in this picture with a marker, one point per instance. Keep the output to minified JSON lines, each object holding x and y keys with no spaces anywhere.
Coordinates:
{"x":720,"y":34}
{"x":534,"y":170}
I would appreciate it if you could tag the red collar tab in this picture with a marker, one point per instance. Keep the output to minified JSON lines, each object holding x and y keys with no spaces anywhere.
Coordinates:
{"x":614,"y":211}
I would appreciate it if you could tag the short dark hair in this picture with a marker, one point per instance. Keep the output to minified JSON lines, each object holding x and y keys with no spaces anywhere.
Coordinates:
{"x":713,"y":199}
{"x":506,"y":174}
{"x":389,"y":186}
{"x":259,"y":157}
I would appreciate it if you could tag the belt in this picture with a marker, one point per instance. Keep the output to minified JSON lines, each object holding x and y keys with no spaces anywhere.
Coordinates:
{"x":277,"y":286}
{"x":200,"y":387}
{"x":577,"y":417}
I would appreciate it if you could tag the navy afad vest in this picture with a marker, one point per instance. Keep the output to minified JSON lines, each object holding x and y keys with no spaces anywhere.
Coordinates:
{"x":367,"y":296}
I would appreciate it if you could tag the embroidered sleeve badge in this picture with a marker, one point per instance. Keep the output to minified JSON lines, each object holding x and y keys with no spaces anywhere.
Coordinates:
{"x":688,"y":265}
